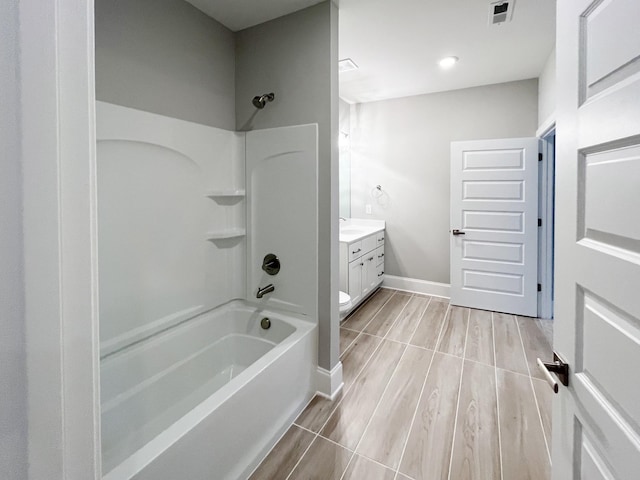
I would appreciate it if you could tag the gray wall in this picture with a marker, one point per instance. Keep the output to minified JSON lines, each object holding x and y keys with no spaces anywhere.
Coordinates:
{"x":294,"y":56}
{"x":547,"y":90}
{"x":13,"y":413}
{"x":165,"y":57}
{"x":404,"y":145}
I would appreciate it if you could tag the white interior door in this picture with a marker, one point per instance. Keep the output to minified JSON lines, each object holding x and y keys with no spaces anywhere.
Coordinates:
{"x":596,"y":425}
{"x":494,"y":223}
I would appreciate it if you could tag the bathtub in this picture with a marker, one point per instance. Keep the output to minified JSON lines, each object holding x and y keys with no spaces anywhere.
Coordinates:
{"x":206,"y":399}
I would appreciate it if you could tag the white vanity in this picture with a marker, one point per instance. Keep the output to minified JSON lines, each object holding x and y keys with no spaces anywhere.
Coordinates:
{"x":361,"y":257}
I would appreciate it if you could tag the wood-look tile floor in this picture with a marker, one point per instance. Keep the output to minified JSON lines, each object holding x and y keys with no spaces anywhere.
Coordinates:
{"x":431,"y":391}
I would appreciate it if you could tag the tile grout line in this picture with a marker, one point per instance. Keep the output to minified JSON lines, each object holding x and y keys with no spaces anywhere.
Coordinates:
{"x":406,"y":347}
{"x":448,"y":354}
{"x":395,"y":369}
{"x":495,"y":372}
{"x":455,"y":423}
{"x":317,"y":434}
{"x":424,"y":383}
{"x":533,"y":390}
{"x":396,"y":319}
{"x":378,"y":311}
{"x":345,"y":392}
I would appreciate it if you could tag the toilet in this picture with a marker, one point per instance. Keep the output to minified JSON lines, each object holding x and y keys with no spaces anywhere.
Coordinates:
{"x":345,"y":304}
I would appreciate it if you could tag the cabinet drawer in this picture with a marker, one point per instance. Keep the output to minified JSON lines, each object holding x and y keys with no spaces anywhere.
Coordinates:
{"x":355,"y":251}
{"x":369,"y":243}
{"x":380,"y":238}
{"x":380,"y":255}
{"x":380,"y":273}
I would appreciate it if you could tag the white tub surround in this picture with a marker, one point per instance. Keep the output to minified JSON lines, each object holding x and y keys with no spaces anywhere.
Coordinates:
{"x":212,"y":396}
{"x":191,"y":385}
{"x":361,"y":258}
{"x":282,"y":216}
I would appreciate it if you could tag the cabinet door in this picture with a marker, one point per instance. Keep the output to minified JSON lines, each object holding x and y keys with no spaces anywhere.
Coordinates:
{"x":355,"y":281}
{"x":379,"y":273}
{"x":369,"y":277}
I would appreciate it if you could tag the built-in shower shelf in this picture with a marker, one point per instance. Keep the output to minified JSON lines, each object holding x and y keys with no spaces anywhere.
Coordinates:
{"x":225,"y":234}
{"x":226,"y":194}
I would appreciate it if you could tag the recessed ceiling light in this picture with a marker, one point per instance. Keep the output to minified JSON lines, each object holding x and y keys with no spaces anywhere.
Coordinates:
{"x":346,"y":65}
{"x":448,"y":62}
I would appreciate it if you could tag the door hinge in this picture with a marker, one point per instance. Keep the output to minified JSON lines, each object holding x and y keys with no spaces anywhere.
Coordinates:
{"x":539,"y":222}
{"x":539,"y":287}
{"x":539,"y":157}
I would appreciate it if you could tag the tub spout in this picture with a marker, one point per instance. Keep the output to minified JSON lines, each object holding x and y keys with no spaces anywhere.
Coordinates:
{"x":264,"y":290}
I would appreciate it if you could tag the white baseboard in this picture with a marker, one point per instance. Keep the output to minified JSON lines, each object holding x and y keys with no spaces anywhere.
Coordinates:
{"x":329,"y":383}
{"x":417,"y":286}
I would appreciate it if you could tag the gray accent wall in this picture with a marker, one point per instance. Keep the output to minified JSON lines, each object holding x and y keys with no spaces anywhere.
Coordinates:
{"x":404,"y":145}
{"x":165,"y":57}
{"x":13,"y":378}
{"x":295,"y":56}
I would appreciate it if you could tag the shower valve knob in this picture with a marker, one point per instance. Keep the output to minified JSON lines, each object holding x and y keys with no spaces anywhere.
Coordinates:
{"x":271,"y":264}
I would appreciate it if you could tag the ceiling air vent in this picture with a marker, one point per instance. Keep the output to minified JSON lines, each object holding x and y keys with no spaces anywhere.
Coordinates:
{"x":501,"y":12}
{"x":346,"y":65}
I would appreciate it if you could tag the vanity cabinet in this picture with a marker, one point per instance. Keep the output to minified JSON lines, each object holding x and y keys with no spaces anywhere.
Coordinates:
{"x":362,"y":266}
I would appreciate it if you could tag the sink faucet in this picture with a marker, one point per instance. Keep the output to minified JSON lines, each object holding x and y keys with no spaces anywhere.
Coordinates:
{"x":264,"y":290}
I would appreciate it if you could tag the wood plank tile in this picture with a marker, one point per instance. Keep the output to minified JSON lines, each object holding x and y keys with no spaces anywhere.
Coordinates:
{"x":387,"y":432}
{"x":544,"y":396}
{"x":428,"y":449}
{"x":509,"y":353}
{"x":387,"y":315}
{"x":480,"y":337}
{"x":346,"y":425}
{"x":363,"y":315}
{"x":285,"y":455}
{"x":346,"y":339}
{"x":524,"y":453}
{"x":454,"y":331}
{"x":314,"y":416}
{"x":406,"y":324}
{"x":428,"y":331}
{"x":535,"y":345}
{"x":318,"y":411}
{"x":323,"y":461}
{"x":361,"y":468}
{"x":476,"y":446}
{"x":357,"y":356}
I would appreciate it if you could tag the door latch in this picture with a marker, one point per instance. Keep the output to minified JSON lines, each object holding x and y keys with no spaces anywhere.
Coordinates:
{"x":559,"y":367}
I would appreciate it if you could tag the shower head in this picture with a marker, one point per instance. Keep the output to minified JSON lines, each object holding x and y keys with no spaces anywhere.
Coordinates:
{"x":261,"y":100}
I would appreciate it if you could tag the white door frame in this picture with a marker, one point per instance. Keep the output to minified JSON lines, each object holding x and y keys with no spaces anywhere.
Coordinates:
{"x":56,"y":40}
{"x":546,"y":191}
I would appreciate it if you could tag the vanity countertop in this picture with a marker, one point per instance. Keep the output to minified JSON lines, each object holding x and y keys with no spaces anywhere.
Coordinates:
{"x":354,"y":229}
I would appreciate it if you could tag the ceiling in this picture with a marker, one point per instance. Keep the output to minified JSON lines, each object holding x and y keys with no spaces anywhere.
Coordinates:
{"x":240,"y":14}
{"x":397,"y":44}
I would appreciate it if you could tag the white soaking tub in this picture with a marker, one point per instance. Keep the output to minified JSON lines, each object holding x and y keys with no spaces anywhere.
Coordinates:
{"x":208,"y":398}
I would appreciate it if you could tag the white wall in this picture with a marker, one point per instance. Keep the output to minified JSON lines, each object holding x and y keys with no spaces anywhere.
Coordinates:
{"x":404,"y":146}
{"x":166,"y":57}
{"x":295,"y":57}
{"x":547,"y":91}
{"x":13,"y":415}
